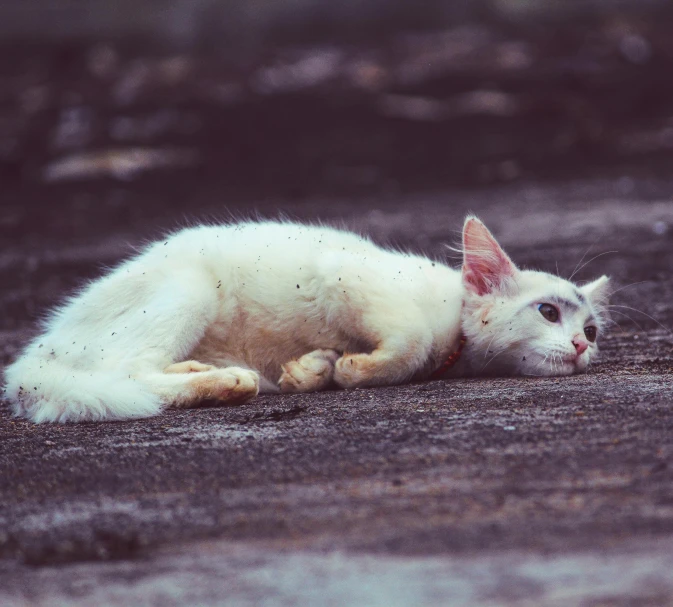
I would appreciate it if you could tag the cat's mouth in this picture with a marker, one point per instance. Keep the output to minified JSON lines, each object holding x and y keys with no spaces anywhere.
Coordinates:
{"x":562,"y":364}
{"x":570,"y":363}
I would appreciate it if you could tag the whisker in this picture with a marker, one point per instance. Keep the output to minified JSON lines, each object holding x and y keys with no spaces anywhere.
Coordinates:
{"x":640,"y":282}
{"x":640,"y":312}
{"x":493,"y":358}
{"x":612,"y":321}
{"x":489,"y":344}
{"x":630,"y":318}
{"x":582,"y":259}
{"x":544,"y":360}
{"x":588,"y":262}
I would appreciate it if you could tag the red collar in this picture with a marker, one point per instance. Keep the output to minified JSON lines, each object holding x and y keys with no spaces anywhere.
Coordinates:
{"x":452,"y":360}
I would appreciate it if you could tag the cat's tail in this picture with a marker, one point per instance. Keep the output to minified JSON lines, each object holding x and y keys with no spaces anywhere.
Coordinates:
{"x":45,"y":390}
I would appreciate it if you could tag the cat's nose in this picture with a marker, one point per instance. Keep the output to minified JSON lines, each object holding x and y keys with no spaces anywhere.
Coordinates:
{"x":580,"y":344}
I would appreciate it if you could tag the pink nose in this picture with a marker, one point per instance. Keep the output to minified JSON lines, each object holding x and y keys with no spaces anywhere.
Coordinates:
{"x":580,"y":344}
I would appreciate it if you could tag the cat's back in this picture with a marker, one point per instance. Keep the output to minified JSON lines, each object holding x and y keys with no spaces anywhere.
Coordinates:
{"x":255,"y":252}
{"x":263,"y":241}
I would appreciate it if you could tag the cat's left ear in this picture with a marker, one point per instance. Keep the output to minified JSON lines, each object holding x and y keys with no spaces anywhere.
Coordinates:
{"x":598,"y":291}
{"x":486,"y":267}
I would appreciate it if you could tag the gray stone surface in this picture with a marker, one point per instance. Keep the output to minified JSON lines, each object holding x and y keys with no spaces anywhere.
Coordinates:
{"x":515,"y":491}
{"x":500,"y":491}
{"x":237,"y":575}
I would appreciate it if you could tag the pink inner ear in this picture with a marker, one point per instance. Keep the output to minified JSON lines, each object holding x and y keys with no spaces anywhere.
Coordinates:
{"x":485,"y":264}
{"x":474,"y":283}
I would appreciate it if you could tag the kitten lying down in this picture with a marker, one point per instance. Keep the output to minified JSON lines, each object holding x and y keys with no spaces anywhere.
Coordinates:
{"x":224,"y":312}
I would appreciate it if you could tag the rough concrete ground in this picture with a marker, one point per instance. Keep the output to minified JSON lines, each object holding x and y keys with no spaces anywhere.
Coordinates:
{"x":530,"y":491}
{"x":481,"y":491}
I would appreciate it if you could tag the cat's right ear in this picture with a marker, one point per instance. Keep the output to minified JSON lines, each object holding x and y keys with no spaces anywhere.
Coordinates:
{"x":598,"y":291}
{"x":486,"y":267}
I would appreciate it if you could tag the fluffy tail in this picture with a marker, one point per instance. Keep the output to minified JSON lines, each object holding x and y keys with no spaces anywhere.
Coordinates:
{"x":46,"y":391}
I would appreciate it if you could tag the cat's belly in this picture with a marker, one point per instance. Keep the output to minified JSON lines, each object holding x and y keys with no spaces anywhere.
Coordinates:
{"x":265,"y":350}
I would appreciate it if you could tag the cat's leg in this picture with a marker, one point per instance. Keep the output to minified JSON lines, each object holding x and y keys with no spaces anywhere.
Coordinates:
{"x":312,"y":372}
{"x":164,"y":329}
{"x":191,"y":299}
{"x":395,"y":360}
{"x":188,"y":366}
{"x":188,"y":383}
{"x":137,"y":321}
{"x":393,"y":336}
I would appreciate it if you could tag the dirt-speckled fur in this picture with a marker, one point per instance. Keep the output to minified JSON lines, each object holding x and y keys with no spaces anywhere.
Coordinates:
{"x":224,"y":311}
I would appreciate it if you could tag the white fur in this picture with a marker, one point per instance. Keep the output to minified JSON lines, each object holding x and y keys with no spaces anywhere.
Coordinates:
{"x":223,"y":311}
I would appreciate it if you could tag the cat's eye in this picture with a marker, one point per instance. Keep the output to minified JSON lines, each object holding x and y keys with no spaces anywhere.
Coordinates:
{"x":548,"y":311}
{"x":590,"y":333}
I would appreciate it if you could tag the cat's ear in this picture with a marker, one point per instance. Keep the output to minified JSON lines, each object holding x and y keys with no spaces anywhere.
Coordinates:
{"x":486,"y":267}
{"x":598,"y":291}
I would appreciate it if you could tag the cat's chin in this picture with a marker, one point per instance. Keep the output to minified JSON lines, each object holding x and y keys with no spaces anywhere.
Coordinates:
{"x":565,"y":368}
{"x":569,"y":367}
{"x":557,"y":367}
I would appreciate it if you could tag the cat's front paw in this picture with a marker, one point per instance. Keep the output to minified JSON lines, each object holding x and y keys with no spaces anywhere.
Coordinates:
{"x":380,"y":368}
{"x":312,"y":372}
{"x":355,"y":370}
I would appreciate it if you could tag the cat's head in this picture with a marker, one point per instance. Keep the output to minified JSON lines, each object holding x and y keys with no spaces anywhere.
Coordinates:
{"x":524,"y":322}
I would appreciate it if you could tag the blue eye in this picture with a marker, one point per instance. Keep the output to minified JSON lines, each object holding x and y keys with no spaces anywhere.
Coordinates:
{"x":548,"y":311}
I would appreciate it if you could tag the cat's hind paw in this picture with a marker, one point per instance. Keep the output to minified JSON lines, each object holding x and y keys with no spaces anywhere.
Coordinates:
{"x":233,"y":385}
{"x":312,"y":372}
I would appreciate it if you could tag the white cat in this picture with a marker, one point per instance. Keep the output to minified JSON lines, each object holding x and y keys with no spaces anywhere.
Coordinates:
{"x":222,"y":312}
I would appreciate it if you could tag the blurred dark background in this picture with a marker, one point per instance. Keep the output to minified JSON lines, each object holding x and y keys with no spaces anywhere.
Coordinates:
{"x":295,"y":98}
{"x":298,"y":97}
{"x":125,"y":118}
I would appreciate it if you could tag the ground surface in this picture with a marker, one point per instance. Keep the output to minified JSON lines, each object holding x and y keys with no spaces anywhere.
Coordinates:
{"x":490,"y":491}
